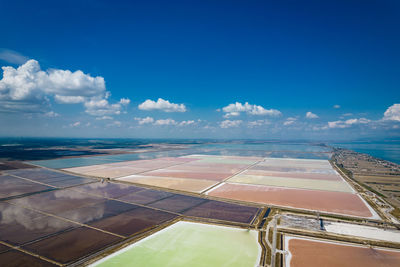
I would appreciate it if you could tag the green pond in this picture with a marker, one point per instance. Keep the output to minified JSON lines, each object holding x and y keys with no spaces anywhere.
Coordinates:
{"x":191,"y":244}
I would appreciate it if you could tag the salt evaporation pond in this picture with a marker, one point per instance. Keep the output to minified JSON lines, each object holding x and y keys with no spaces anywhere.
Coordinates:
{"x":190,"y":244}
{"x":363,"y":231}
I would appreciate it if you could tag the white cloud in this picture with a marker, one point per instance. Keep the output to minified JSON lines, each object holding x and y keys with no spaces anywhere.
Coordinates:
{"x":146,"y":120}
{"x":124,"y":101}
{"x":51,"y":114}
{"x":209,"y":127}
{"x":105,"y":118}
{"x":357,"y":121}
{"x":150,"y":120}
{"x":229,"y":123}
{"x":318,"y":128}
{"x":12,"y":57}
{"x":185,"y":123}
{"x":289,"y":121}
{"x":235,"y":109}
{"x":114,"y":124}
{"x":347,"y":123}
{"x":310,"y":115}
{"x":28,"y":88}
{"x":337,"y":124}
{"x":101,"y":107}
{"x":258,"y":123}
{"x":76,"y":124}
{"x":69,"y":99}
{"x":231,"y":114}
{"x":392,"y":113}
{"x":336,"y":106}
{"x":165,"y":122}
{"x":163,"y":105}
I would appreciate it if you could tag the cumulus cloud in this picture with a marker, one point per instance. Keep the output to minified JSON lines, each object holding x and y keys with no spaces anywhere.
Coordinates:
{"x":258,"y":123}
{"x":289,"y":121}
{"x":28,"y":89}
{"x":358,"y":121}
{"x":12,"y":57}
{"x":310,"y":115}
{"x":392,"y":113}
{"x":101,"y":107}
{"x":231,"y":114}
{"x":347,"y":123}
{"x":63,"y":99}
{"x":165,"y":122}
{"x":169,"y":121}
{"x":28,"y":80}
{"x":336,"y":106}
{"x":235,"y":109}
{"x":163,"y":105}
{"x":230,"y":123}
{"x":337,"y":124}
{"x":146,"y":120}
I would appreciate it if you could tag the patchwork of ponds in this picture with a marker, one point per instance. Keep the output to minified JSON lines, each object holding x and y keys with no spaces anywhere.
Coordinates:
{"x":310,"y":184}
{"x":64,"y":218}
{"x":92,"y":204}
{"x":295,"y":183}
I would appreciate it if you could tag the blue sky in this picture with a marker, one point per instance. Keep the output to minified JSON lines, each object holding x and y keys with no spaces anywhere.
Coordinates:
{"x":338,"y":60}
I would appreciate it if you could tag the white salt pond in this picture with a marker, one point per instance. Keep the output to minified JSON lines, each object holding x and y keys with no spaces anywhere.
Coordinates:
{"x":363,"y":231}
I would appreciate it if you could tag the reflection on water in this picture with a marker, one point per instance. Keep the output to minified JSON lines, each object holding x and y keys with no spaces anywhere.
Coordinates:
{"x":268,"y":147}
{"x":109,"y":190}
{"x":61,"y":201}
{"x":14,"y":216}
{"x":85,"y":214}
{"x":73,"y":205}
{"x":227,"y":149}
{"x":11,"y":186}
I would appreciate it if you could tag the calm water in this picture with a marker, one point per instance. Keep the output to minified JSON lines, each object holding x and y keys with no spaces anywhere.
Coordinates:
{"x":388,"y":150}
{"x":259,"y":149}
{"x":384,"y":150}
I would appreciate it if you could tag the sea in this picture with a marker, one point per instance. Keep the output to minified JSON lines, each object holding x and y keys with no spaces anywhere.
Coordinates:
{"x":49,"y":148}
{"x":387,"y":150}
